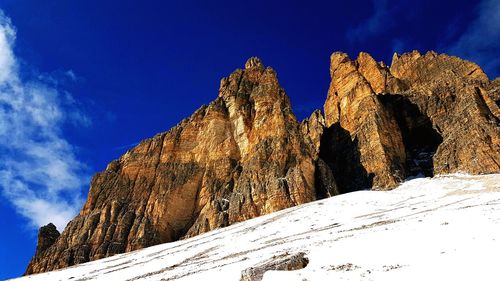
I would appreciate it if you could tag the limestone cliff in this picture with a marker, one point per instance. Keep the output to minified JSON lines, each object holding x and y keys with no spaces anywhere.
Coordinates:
{"x":245,"y":154}
{"x":425,"y":114}
{"x":240,"y":157}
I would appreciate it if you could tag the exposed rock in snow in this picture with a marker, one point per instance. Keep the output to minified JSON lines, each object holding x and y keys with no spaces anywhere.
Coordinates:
{"x":445,"y":228}
{"x":285,"y":261}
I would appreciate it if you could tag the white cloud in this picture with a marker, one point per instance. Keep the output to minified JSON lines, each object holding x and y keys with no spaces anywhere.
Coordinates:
{"x":39,"y":172}
{"x":7,"y":35}
{"x":480,"y":42}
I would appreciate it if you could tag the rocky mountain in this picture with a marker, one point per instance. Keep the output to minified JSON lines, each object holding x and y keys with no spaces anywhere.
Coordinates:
{"x":245,"y":154}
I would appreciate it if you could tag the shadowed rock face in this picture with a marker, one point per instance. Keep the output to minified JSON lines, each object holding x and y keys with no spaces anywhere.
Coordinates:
{"x":419,"y":137}
{"x":240,"y":157}
{"x":341,"y":154}
{"x":455,"y":95}
{"x":46,"y":237}
{"x":245,"y":154}
{"x":313,"y":131}
{"x":356,"y":116}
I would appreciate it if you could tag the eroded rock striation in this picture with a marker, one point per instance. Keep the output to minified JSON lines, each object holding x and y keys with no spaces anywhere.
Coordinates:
{"x":245,"y":154}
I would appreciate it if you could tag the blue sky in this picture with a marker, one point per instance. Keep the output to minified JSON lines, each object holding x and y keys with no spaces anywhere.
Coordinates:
{"x":82,"y":81}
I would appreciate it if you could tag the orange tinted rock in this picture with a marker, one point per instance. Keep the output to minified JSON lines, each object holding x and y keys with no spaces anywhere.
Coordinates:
{"x":245,"y":154}
{"x":352,"y":106}
{"x":456,"y":95}
{"x":240,"y":157}
{"x":430,"y":114}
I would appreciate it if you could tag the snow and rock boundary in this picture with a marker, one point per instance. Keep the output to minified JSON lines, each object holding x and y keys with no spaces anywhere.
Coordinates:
{"x":447,"y":228}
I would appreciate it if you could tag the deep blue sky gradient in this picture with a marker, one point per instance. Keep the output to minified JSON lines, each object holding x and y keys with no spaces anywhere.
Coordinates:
{"x":142,"y":66}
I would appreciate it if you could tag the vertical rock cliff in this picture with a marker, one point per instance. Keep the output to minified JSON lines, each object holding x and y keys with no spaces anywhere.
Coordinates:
{"x":363,"y":140}
{"x":424,"y":115}
{"x":245,"y":154}
{"x":240,"y":157}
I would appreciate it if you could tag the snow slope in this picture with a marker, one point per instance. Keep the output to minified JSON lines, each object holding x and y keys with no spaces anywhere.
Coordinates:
{"x":445,"y":228}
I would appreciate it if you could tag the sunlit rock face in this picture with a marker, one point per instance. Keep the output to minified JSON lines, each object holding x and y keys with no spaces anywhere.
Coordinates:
{"x":456,"y":95}
{"x":425,"y":114}
{"x":245,"y":154}
{"x":365,"y":134}
{"x":240,"y":157}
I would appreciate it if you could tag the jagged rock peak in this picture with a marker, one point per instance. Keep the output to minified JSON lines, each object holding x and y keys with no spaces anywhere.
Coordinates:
{"x":237,"y":158}
{"x":47,"y":235}
{"x":364,"y":69}
{"x":312,"y":129}
{"x":337,"y":59}
{"x":395,"y":57}
{"x":245,"y":81}
{"x":414,"y":67}
{"x":254,"y":62}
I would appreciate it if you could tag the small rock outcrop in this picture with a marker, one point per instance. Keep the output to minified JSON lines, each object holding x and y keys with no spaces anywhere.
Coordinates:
{"x":282,"y":262}
{"x":254,"y":62}
{"x":47,"y":236}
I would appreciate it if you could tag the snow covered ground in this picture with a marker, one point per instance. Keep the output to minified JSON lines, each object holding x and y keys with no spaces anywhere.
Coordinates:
{"x":445,"y":228}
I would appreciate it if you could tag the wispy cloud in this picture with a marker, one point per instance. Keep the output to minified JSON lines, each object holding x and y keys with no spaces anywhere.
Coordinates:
{"x":39,"y":172}
{"x":480,"y":42}
{"x":376,"y":23}
{"x":71,"y":74}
